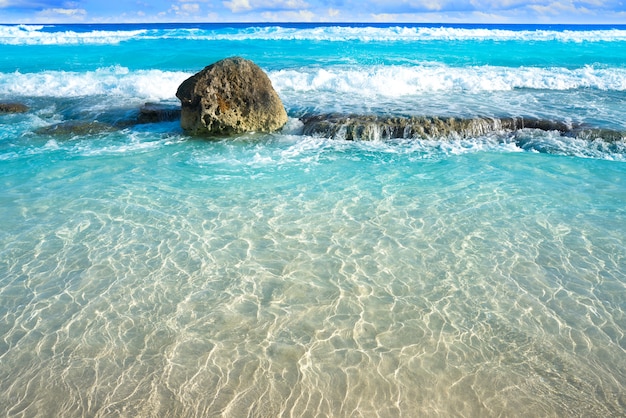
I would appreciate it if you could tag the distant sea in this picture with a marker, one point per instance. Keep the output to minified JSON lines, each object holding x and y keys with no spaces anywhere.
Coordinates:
{"x":146,"y":273}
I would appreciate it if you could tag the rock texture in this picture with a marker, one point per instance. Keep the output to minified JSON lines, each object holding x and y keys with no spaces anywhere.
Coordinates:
{"x":75,"y":128}
{"x":13,"y":108}
{"x":157,"y":112}
{"x":370,"y":127}
{"x":229,"y":97}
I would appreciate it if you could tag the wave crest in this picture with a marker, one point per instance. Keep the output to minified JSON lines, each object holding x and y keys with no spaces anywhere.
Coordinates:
{"x":114,"y":81}
{"x":39,"y":35}
{"x":397,"y":81}
{"x":52,"y":35}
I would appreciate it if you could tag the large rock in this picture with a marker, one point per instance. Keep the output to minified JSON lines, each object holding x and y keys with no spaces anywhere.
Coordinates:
{"x":229,"y":97}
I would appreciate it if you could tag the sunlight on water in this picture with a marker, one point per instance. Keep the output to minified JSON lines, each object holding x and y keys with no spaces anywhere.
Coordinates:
{"x":312,"y":278}
{"x":461,"y":269}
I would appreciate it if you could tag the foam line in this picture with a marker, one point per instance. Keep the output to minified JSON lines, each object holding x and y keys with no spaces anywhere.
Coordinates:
{"x":407,"y":80}
{"x":40,"y":35}
{"x":385,"y":81}
{"x":114,"y":81}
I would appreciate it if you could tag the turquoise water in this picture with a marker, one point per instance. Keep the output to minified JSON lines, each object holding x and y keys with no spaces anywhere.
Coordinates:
{"x":147,"y":273}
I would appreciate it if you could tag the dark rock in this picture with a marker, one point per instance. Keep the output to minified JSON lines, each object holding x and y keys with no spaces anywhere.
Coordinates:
{"x":607,"y":135}
{"x":546,"y":125}
{"x":157,"y":112}
{"x":76,"y":128}
{"x":364,"y":127}
{"x":229,"y":97}
{"x":13,"y":108}
{"x":357,"y":127}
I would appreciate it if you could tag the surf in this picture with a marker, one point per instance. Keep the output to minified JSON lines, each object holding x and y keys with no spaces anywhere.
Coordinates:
{"x":115,"y":34}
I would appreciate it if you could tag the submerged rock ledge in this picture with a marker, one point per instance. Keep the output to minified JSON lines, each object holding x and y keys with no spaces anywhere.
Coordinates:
{"x":371,"y":127}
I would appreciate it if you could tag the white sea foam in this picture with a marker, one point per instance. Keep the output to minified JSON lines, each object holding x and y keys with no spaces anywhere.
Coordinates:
{"x":36,"y":35}
{"x":112,"y":81}
{"x":426,"y":89}
{"x":383,"y":81}
{"x":402,"y":33}
{"x":40,"y":35}
{"x":394,"y":81}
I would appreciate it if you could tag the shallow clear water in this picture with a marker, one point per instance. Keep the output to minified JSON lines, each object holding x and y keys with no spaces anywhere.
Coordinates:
{"x":303,"y":276}
{"x":147,"y":273}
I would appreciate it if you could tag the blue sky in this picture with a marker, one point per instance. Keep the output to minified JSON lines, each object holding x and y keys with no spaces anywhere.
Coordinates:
{"x":439,"y":11}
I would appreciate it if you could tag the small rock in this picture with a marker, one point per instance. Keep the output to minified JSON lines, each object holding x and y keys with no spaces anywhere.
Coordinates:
{"x":157,"y":112}
{"x":75,"y":128}
{"x":13,"y":108}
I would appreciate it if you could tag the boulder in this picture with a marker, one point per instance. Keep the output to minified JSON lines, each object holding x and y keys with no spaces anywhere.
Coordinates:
{"x":231,"y":96}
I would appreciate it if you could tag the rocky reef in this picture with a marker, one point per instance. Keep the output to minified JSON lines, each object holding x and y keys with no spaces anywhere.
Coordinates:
{"x":372,"y":127}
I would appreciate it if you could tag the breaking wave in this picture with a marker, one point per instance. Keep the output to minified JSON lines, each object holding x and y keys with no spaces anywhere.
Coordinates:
{"x":406,"y":80}
{"x":114,"y":81}
{"x":110,"y":34}
{"x":385,"y":81}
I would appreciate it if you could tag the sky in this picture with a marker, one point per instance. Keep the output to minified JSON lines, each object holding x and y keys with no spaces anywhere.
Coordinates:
{"x":418,"y":11}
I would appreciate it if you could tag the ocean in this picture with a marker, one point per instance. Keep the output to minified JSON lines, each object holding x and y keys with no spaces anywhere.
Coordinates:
{"x":146,"y":273}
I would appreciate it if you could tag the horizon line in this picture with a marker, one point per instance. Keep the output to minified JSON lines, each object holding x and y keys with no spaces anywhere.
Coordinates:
{"x":314,"y":23}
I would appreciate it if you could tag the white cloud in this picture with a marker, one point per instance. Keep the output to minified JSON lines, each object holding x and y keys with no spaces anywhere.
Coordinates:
{"x":190,"y":8}
{"x":334,"y":12}
{"x":409,"y":17}
{"x":289,"y":16}
{"x":384,"y":17}
{"x":238,"y":6}
{"x":409,"y":6}
{"x":290,"y":4}
{"x":488,"y":11}
{"x":431,"y":4}
{"x":185,"y":9}
{"x":64,"y":12}
{"x":558,"y":9}
{"x":498,"y":4}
